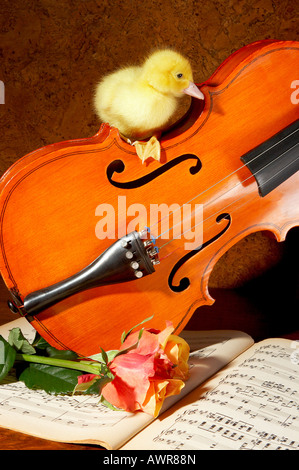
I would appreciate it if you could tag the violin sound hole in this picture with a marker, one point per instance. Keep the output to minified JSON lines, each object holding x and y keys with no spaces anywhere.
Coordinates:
{"x":117,"y":166}
{"x":185,"y":282}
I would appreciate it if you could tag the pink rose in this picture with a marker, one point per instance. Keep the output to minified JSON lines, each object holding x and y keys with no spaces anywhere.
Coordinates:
{"x":147,"y":374}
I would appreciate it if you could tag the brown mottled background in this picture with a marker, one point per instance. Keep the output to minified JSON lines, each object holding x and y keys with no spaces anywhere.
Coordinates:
{"x":52,"y":53}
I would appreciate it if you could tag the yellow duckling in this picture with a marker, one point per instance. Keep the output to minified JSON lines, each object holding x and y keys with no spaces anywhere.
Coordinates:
{"x":140,"y":100}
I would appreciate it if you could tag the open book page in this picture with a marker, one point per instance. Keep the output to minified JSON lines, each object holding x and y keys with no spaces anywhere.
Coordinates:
{"x":251,"y":404}
{"x":80,"y":418}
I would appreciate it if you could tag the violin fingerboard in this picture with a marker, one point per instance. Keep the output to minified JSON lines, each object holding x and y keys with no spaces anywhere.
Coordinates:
{"x":275,"y":160}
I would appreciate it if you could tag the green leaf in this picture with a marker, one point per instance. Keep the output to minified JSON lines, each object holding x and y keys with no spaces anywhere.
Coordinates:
{"x":110,"y":355}
{"x":7,"y":357}
{"x":125,"y":335}
{"x":61,"y":354}
{"x":140,"y":333}
{"x":39,"y":342}
{"x":104,"y":355}
{"x":50,"y":378}
{"x":18,"y":341}
{"x":42,"y":345}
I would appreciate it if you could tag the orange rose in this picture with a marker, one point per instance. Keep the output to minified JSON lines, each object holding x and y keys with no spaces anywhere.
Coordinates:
{"x":147,"y":374}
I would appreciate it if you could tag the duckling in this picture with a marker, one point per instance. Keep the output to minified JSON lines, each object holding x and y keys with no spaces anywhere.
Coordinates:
{"x":140,"y":100}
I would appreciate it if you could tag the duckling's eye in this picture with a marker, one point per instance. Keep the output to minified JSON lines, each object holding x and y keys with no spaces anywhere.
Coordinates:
{"x":179,"y":75}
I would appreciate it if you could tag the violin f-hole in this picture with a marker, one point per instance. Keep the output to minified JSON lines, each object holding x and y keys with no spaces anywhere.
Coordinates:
{"x":118,"y":166}
{"x":185,"y":282}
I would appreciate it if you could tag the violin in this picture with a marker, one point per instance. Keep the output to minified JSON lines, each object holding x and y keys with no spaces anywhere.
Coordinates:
{"x":94,"y":242}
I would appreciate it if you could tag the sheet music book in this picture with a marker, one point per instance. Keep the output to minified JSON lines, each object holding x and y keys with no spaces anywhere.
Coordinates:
{"x":240,"y":395}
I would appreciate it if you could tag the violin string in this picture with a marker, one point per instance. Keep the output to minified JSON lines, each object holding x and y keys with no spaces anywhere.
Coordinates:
{"x":199,"y":247}
{"x":226,"y":177}
{"x":235,"y":186}
{"x":223,"y":179}
{"x":228,"y":205}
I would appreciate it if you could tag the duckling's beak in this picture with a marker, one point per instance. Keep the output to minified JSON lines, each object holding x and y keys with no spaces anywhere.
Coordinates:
{"x":192,"y":90}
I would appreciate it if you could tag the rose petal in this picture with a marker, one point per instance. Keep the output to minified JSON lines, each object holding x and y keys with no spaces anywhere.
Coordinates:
{"x":177,"y":349}
{"x":150,"y":341}
{"x":164,"y":335}
{"x":131,"y":380}
{"x":157,"y":392}
{"x":119,"y":394}
{"x":133,"y":366}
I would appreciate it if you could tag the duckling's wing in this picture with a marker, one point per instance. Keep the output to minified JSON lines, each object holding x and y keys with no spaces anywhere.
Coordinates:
{"x":111,"y":90}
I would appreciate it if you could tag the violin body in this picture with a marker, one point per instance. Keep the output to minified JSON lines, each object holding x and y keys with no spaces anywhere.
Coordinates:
{"x":53,"y":201}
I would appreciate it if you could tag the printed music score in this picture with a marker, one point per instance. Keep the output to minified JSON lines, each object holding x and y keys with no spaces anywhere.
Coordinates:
{"x":253,"y":406}
{"x":240,"y":395}
{"x":74,"y":411}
